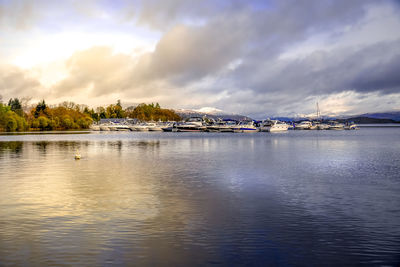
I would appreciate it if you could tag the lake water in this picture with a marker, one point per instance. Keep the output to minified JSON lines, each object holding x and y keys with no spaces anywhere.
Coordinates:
{"x":181,"y":199}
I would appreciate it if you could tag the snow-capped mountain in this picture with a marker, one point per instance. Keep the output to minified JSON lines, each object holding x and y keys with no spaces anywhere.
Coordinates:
{"x":209,"y":112}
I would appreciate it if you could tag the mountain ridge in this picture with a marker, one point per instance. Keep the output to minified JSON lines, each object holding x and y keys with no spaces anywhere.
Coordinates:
{"x":213,"y":113}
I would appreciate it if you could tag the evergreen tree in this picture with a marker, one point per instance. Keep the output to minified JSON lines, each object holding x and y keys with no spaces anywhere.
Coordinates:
{"x":41,"y":107}
{"x":16,"y":106}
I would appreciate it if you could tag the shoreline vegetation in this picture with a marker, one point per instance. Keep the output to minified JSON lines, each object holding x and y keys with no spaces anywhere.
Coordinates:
{"x":70,"y":116}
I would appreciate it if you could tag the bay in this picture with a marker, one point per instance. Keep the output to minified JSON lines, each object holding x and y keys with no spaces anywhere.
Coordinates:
{"x":295,"y":198}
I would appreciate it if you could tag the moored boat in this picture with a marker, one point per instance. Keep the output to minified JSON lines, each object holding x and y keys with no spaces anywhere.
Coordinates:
{"x":245,"y":127}
{"x":228,"y":126}
{"x":222,"y":126}
{"x":193,"y":124}
{"x":142,"y":127}
{"x":104,"y":128}
{"x":314,"y":126}
{"x":169,"y":127}
{"x":351,"y":126}
{"x":322,"y":126}
{"x":333,"y":125}
{"x":304,"y":125}
{"x":154,"y":127}
{"x":273,"y":126}
{"x":94,"y":127}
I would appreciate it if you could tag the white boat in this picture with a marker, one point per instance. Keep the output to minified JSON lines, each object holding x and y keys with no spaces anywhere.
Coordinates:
{"x":94,"y":127}
{"x":169,"y":127}
{"x":222,"y":126}
{"x":351,"y":126}
{"x":154,"y":127}
{"x":245,"y":127}
{"x":304,"y":125}
{"x":104,"y":128}
{"x":133,"y":127}
{"x":122,"y":127}
{"x":142,"y":127}
{"x":319,"y":125}
{"x":322,"y":126}
{"x":266,"y":125}
{"x":214,"y":127}
{"x":228,"y":126}
{"x":113,"y":126}
{"x":314,"y":126}
{"x":336,"y":126}
{"x":274,"y":126}
{"x":193,"y":124}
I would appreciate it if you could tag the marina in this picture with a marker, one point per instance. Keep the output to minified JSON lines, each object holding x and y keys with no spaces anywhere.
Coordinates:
{"x":198,"y":124}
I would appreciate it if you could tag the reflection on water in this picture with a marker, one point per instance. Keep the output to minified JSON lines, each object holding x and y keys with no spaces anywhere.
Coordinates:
{"x":15,"y":147}
{"x":299,"y":198}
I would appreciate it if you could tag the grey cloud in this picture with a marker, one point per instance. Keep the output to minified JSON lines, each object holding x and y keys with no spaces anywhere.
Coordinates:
{"x":282,"y":86}
{"x":165,"y":14}
{"x":372,"y":68}
{"x":382,"y":76}
{"x":15,"y":82}
{"x":253,"y":35}
{"x":187,"y":54}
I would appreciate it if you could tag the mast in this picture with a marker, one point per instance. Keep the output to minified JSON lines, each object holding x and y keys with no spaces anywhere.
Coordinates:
{"x":318,"y":112}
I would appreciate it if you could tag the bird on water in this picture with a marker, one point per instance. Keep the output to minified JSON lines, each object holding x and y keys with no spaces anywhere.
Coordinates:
{"x":77,"y":155}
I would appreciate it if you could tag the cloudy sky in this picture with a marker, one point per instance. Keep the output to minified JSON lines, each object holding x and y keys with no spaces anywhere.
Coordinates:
{"x":258,"y":58}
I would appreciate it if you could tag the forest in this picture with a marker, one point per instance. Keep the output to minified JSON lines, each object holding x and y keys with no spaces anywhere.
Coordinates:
{"x":14,"y":117}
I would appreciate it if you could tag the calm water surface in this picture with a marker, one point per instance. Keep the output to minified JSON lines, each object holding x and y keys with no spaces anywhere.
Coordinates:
{"x":298,"y":198}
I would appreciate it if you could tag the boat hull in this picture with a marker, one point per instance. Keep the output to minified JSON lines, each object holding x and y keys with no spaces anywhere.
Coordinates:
{"x":155,"y":129}
{"x":142,"y":129}
{"x":245,"y":130}
{"x":169,"y":129}
{"x":323,"y":127}
{"x":301,"y":128}
{"x":278,"y":129}
{"x":104,"y":128}
{"x":191,"y":128}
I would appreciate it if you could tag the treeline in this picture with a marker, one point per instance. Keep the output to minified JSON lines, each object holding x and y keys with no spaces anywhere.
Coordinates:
{"x":152,"y":112}
{"x":65,"y":116}
{"x":142,"y":112}
{"x":42,"y":117}
{"x":70,"y":116}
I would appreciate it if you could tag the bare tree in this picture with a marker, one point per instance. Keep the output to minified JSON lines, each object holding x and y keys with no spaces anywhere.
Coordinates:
{"x":25,"y":103}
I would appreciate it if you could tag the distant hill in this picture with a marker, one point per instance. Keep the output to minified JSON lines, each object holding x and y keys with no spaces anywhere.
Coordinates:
{"x":367,"y":120}
{"x":210,"y":113}
{"x":287,"y":119}
{"x":382,"y":117}
{"x":392,"y":115}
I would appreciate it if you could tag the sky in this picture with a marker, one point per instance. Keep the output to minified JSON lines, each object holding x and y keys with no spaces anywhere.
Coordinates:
{"x":257,"y":58}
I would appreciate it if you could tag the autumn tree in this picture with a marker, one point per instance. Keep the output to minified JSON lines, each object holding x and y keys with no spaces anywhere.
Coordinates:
{"x":11,"y":121}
